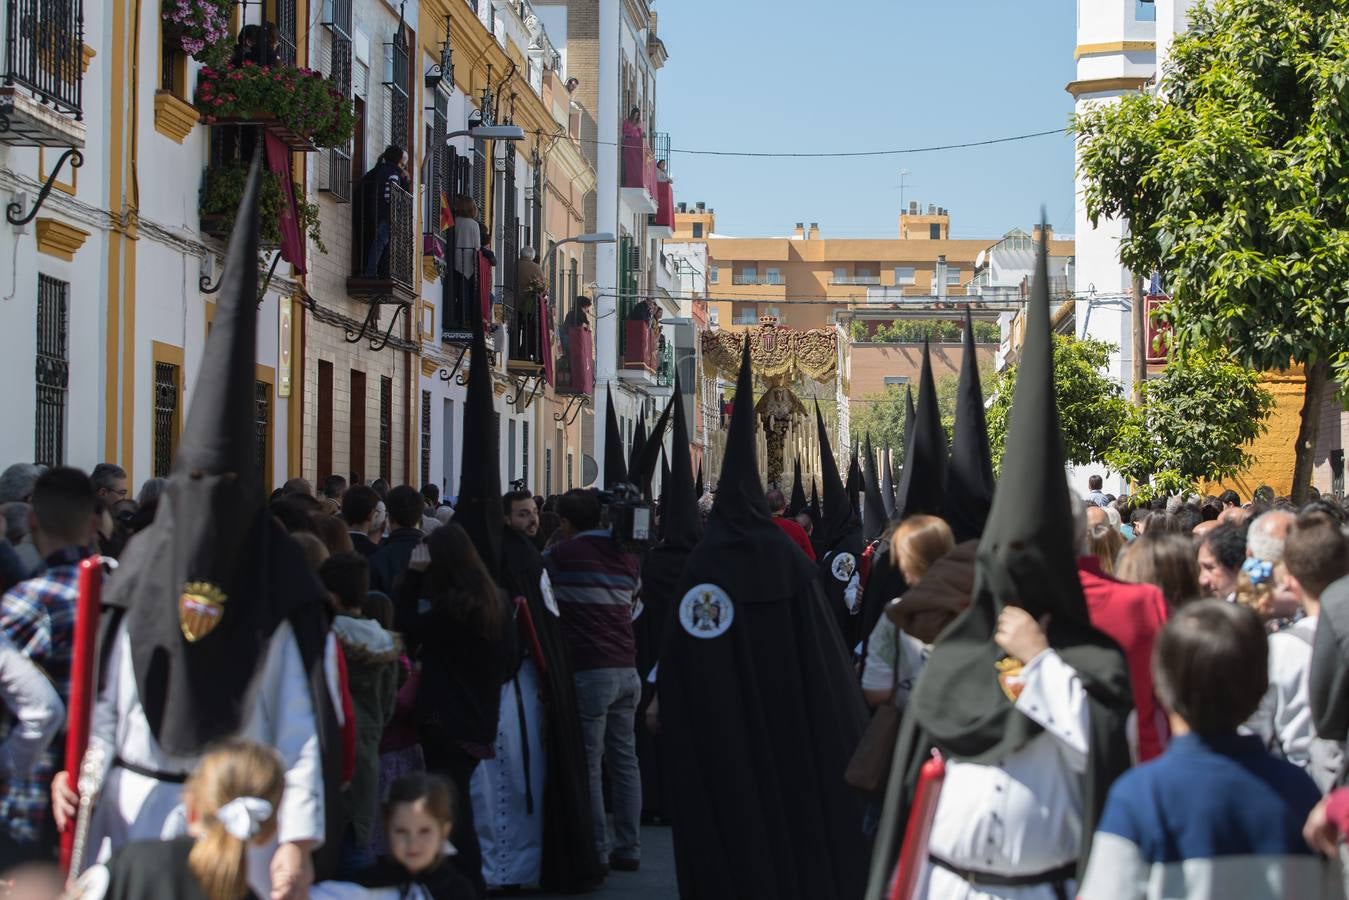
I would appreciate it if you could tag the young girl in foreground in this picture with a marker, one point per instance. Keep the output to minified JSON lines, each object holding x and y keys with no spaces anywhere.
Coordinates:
{"x":418,"y":820}
{"x":231,"y":802}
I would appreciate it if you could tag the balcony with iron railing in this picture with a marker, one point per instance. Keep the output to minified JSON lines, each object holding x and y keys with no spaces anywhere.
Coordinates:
{"x":855,"y":279}
{"x":638,"y":180}
{"x":385,"y":266}
{"x":41,"y":91}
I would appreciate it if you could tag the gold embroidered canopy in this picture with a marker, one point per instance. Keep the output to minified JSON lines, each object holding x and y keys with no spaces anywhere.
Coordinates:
{"x":776,"y":352}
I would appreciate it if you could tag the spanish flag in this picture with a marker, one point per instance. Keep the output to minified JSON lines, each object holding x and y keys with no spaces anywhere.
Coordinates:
{"x":446,"y":216}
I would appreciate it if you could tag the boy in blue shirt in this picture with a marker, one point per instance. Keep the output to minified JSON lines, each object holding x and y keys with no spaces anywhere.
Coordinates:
{"x":1216,"y":816}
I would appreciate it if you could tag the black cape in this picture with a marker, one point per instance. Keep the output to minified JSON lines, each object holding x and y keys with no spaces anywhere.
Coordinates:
{"x":571,"y":862}
{"x":150,"y":870}
{"x":761,"y":719}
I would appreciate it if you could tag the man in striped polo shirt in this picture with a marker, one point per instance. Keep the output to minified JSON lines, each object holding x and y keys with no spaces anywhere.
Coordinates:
{"x":596,"y":583}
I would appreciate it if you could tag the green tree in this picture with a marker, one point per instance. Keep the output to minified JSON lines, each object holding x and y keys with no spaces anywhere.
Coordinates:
{"x":1092,"y":408}
{"x":1233,"y":178}
{"x":881,"y":415}
{"x":1196,"y":423}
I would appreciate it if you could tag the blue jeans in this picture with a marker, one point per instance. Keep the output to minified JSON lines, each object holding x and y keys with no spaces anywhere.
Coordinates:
{"x":607,"y":701}
{"x":372,"y":255}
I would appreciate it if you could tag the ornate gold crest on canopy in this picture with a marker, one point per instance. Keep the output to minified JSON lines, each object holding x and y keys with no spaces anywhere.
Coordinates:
{"x":780,"y":358}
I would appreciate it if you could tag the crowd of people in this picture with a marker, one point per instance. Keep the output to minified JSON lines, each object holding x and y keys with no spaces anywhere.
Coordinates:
{"x":944,"y":687}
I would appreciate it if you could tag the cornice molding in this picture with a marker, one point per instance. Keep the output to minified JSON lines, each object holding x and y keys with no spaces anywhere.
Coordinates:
{"x":174,"y":117}
{"x":1106,"y":85}
{"x":59,"y":239}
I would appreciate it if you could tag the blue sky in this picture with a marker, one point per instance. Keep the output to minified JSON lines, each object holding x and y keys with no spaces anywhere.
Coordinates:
{"x":805,"y":75}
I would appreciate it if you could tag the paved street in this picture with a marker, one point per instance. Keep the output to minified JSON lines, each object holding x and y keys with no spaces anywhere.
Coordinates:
{"x":655,"y":881}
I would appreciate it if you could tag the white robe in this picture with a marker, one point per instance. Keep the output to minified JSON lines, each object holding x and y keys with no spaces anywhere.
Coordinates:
{"x":510,"y":835}
{"x":133,"y":807}
{"x":1025,"y":815}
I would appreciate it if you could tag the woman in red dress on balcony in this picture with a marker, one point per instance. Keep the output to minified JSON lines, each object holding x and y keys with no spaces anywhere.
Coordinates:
{"x":634,"y":144}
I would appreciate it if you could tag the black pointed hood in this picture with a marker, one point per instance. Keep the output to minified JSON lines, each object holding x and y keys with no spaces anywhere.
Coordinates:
{"x":615,"y":465}
{"x":683,"y":526}
{"x":635,"y":453}
{"x":478,"y":510}
{"x":1026,"y":558}
{"x":873,"y":509}
{"x":643,"y":472}
{"x":814,"y":507}
{"x":797,"y":503}
{"x":853,"y":484}
{"x":839,"y":516}
{"x":909,"y":415}
{"x":887,"y":482}
{"x":924,"y":480}
{"x":698,"y":485}
{"x":969,"y":478}
{"x":204,"y":587}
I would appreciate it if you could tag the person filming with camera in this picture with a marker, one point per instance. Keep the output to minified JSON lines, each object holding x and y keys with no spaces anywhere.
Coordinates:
{"x":597,"y":583}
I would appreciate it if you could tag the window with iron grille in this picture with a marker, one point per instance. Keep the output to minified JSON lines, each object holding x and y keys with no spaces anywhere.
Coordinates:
{"x":426,"y":437}
{"x":438,"y":190}
{"x":398,"y":89}
{"x":524,"y":453}
{"x":43,"y":52}
{"x":480,"y":181}
{"x":262,"y":426}
{"x":386,"y":428}
{"x":53,"y":370}
{"x":285,"y":30}
{"x":339,"y":158}
{"x":165,"y":417}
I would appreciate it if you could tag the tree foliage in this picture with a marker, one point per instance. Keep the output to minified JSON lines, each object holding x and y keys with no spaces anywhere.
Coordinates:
{"x":881,"y":414}
{"x":1234,"y":179}
{"x":1199,"y":417}
{"x":1092,"y":408}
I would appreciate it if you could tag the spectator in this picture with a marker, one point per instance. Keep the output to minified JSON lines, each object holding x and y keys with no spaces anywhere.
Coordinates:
{"x":1216,"y":815}
{"x":1166,"y":561}
{"x":1315,"y":555}
{"x":1265,"y":537}
{"x":299,"y":486}
{"x":334,"y":486}
{"x":110,"y":483}
{"x":364,"y":514}
{"x":35,"y":713}
{"x":895,"y":657}
{"x":377,"y":195}
{"x":597,"y":584}
{"x":38,"y":617}
{"x":522,"y":514}
{"x":1096,"y":497}
{"x":315,"y":551}
{"x":295,"y":512}
{"x":11,"y":569}
{"x":1103,"y":545}
{"x":431,"y":497}
{"x":333,"y":532}
{"x":1131,"y":614}
{"x":151,"y":491}
{"x":381,"y":487}
{"x":371,"y":655}
{"x":777,"y":504}
{"x":390,"y":559}
{"x":16,"y":533}
{"x":1219,"y":556}
{"x":807,"y":525}
{"x":1230,"y":499}
{"x":456,"y":620}
{"x":423,"y":809}
{"x":1186,"y":518}
{"x":17,"y":482}
{"x":579,"y":317}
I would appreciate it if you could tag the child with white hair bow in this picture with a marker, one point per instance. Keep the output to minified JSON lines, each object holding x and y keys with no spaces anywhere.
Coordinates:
{"x":230,"y":803}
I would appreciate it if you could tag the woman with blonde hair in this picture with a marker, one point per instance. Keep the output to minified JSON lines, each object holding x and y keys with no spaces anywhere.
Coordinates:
{"x":230,"y":802}
{"x":1163,"y":559}
{"x":1104,"y":543}
{"x":916,"y":543}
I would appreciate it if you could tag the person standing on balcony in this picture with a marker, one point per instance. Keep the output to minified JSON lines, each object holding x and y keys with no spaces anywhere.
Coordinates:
{"x":467,"y":241}
{"x":377,"y":205}
{"x":531,"y":288}
{"x":634,"y":138}
{"x":579,"y":317}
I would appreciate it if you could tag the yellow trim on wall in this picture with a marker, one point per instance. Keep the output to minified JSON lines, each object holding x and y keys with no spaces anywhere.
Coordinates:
{"x":117,"y":81}
{"x":59,"y":239}
{"x":167,"y":353}
{"x":87,"y":55}
{"x":64,"y":187}
{"x":1102,"y":85}
{"x":174,"y":117}
{"x":1114,"y":47}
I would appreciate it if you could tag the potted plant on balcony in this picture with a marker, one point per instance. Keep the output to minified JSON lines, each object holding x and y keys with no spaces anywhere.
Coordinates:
{"x":300,"y":105}
{"x":224,"y":188}
{"x":200,"y":28}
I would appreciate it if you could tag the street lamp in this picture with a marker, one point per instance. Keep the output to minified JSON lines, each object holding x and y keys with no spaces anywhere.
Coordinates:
{"x":490,"y":133}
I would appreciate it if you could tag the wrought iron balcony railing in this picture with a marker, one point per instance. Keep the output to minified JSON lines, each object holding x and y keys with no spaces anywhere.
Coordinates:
{"x":44,"y":51}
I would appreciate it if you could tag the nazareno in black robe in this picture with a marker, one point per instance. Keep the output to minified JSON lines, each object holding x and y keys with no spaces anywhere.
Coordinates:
{"x":571,"y":862}
{"x":759,"y":719}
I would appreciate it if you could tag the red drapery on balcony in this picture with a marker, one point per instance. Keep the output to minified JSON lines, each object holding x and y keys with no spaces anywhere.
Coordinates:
{"x":485,"y":287}
{"x":546,"y":338}
{"x":640,"y":349}
{"x":665,"y":204}
{"x":639,"y":163}
{"x":579,"y":355}
{"x":292,"y":241}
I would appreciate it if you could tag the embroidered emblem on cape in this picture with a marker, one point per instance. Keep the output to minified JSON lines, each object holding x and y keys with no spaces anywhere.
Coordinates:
{"x":1009,"y":676}
{"x":706,"y":611}
{"x":638,"y":608}
{"x":200,"y":609}
{"x":843,"y":566}
{"x":546,"y":588}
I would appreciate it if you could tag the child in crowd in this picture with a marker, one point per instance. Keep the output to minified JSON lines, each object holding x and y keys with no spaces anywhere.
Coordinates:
{"x":1216,"y":815}
{"x":371,"y":654}
{"x":419,"y":819}
{"x":231,"y":802}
